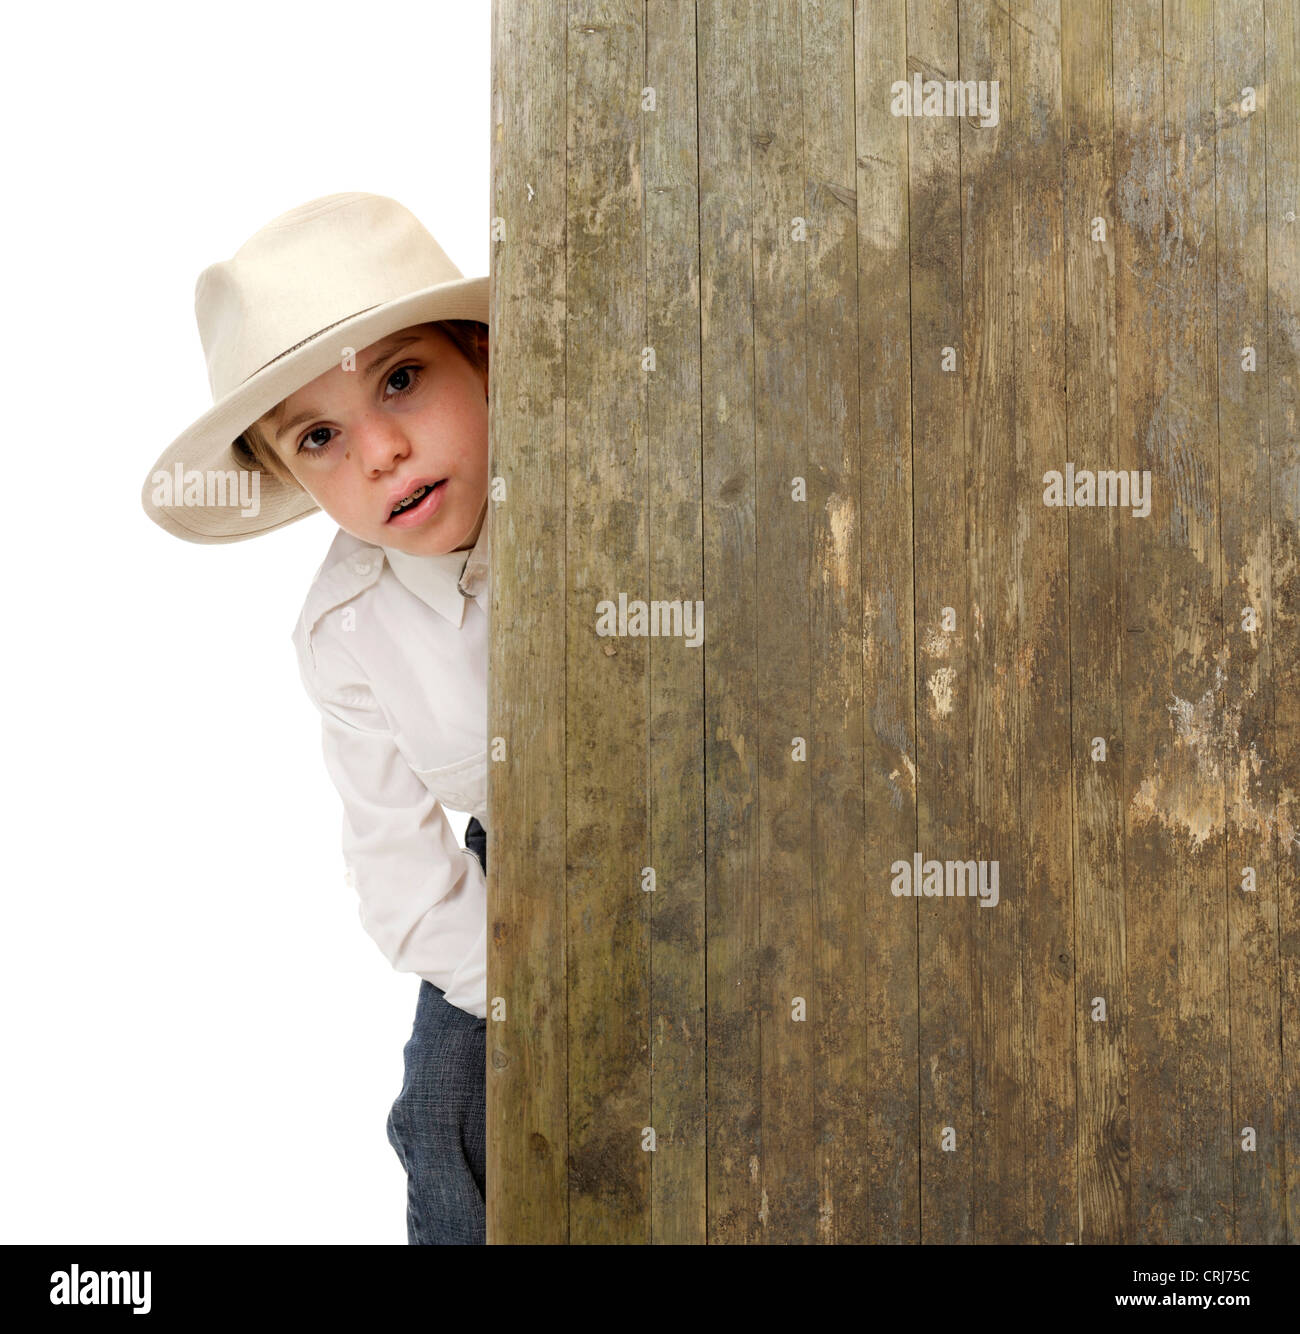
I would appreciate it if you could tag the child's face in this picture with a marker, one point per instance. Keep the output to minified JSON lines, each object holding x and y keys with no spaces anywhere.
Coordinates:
{"x":413,"y":412}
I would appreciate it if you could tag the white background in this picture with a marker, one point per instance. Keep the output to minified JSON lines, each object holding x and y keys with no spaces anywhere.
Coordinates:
{"x":200,"y":1043}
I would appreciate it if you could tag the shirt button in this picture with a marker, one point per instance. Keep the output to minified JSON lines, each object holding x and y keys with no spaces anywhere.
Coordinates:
{"x":362,"y":564}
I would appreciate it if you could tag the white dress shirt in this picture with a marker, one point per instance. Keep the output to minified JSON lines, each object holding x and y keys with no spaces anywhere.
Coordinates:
{"x":393,"y":651}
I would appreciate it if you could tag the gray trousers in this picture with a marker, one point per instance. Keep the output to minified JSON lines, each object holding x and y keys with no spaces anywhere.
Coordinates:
{"x":438,"y":1123}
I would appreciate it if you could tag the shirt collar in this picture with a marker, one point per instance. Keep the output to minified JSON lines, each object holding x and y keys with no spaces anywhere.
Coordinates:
{"x":444,"y":581}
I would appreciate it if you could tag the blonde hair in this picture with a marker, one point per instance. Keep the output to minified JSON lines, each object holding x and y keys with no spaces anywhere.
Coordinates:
{"x":256,"y":449}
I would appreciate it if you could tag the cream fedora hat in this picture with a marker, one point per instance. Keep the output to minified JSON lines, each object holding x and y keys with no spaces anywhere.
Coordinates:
{"x":338,"y":273}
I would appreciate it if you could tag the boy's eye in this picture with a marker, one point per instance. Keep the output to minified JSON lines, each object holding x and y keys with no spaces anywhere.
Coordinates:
{"x":317,"y":446}
{"x":403,"y":380}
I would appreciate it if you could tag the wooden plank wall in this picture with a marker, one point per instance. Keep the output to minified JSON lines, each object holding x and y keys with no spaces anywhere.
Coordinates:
{"x":760,"y":343}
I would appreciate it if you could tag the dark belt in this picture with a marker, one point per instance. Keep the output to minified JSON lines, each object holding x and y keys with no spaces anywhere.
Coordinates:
{"x":476,"y":841}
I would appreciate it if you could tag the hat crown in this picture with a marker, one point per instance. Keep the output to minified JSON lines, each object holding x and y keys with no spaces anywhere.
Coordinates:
{"x":306,"y":270}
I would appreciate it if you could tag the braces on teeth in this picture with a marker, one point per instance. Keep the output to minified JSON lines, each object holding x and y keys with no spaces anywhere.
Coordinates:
{"x":413,"y":499}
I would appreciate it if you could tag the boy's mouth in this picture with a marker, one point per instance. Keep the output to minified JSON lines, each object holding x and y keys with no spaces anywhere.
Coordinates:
{"x":417,"y":501}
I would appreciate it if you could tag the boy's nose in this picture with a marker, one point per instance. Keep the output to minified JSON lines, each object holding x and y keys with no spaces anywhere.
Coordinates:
{"x":380,"y":442}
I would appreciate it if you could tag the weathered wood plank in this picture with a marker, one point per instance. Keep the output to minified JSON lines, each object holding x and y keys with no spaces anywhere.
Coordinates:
{"x":735,"y":986}
{"x":1142,"y":315}
{"x":527,"y":1045}
{"x":1043,"y":667}
{"x":1282,"y":164}
{"x":995,"y":497}
{"x":837,"y":1009}
{"x":918,"y":318}
{"x":944,"y":629}
{"x":888,"y":651}
{"x":1250,"y":759}
{"x":787,"y":1172}
{"x":1191,"y":771}
{"x":1096,"y":536}
{"x":607,"y":682}
{"x":677,"y":816}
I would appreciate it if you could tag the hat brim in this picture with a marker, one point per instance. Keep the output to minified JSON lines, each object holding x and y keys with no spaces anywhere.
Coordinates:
{"x":206,"y":447}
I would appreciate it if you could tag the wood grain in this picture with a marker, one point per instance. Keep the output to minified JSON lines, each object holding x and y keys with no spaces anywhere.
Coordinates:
{"x":760,"y":342}
{"x":527,"y":1045}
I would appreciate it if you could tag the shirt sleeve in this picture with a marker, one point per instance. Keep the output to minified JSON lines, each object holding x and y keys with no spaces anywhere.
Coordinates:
{"x":423,"y":898}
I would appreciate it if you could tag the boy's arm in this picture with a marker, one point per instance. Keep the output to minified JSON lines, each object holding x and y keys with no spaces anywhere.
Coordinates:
{"x":423,"y":898}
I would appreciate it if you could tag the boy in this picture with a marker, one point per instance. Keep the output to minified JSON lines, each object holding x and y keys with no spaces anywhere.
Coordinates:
{"x":348,"y":362}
